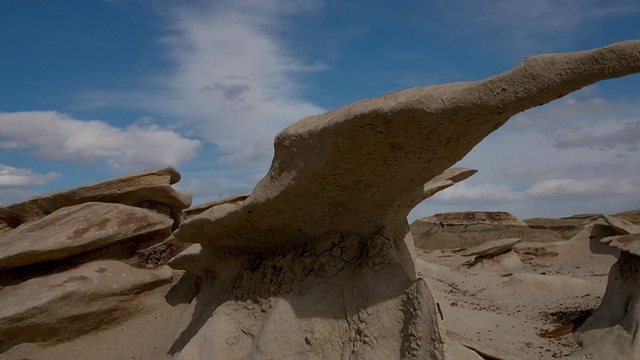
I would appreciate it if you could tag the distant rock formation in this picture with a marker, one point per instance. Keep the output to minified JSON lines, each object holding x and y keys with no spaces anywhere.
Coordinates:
{"x":318,"y":261}
{"x":566,"y":227}
{"x":473,"y":228}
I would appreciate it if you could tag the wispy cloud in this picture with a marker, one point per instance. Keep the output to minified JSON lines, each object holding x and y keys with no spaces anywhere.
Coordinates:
{"x":233,"y":75}
{"x":56,"y":136}
{"x":531,"y":25}
{"x":606,"y":135}
{"x":11,"y":177}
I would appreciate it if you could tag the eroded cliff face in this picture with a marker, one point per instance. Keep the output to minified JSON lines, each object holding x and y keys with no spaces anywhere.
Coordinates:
{"x":317,"y":261}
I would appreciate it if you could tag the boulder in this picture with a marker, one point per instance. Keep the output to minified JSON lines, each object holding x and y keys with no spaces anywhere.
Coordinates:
{"x":318,"y":262}
{"x":66,"y":305}
{"x":491,"y":248}
{"x":142,"y":189}
{"x":78,"y":229}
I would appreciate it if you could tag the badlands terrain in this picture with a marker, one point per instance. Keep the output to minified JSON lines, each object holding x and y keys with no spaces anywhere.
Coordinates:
{"x":319,"y":261}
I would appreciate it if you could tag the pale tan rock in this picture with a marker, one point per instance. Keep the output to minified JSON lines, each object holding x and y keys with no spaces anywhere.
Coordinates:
{"x":78,"y":229}
{"x":195,"y":210}
{"x":629,"y":243}
{"x":443,"y":181}
{"x":133,"y":189}
{"x":76,"y":302}
{"x":622,"y":226}
{"x":491,"y":248}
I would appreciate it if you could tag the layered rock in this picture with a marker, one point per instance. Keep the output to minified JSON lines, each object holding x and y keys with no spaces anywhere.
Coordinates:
{"x":151,"y":189}
{"x":473,"y":228}
{"x":318,"y":261}
{"x":566,"y":227}
{"x":78,"y":229}
{"x":69,"y":304}
{"x":195,"y":210}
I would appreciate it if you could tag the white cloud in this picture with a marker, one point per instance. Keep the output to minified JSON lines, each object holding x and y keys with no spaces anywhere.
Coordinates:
{"x":11,"y":177}
{"x":483,"y":193}
{"x":543,"y":171}
{"x":233,"y":76}
{"x":55,"y":136}
{"x":534,"y":25}
{"x":605,"y":135}
{"x":559,"y":189}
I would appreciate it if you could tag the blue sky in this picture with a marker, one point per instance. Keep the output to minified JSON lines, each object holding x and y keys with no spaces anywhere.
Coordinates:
{"x":96,"y":89}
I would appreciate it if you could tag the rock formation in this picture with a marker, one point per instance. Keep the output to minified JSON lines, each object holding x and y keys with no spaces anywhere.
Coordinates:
{"x":148,"y":189}
{"x":59,"y":274}
{"x":612,"y":331}
{"x":318,"y":261}
{"x":566,"y":227}
{"x":472,"y":228}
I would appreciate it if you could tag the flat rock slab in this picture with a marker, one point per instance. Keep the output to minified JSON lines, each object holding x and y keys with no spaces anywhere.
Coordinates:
{"x":622,"y":226}
{"x":491,"y":248}
{"x":78,"y":229}
{"x":73,"y":303}
{"x":130,"y":190}
{"x":629,"y":243}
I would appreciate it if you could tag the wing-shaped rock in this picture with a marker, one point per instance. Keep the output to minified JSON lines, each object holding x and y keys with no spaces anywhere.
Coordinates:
{"x":351,"y":170}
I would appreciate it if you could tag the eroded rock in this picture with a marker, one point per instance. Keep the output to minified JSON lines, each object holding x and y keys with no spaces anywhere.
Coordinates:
{"x":621,"y":226}
{"x":133,"y":189}
{"x":63,"y":306}
{"x":78,"y":229}
{"x":282,"y":280}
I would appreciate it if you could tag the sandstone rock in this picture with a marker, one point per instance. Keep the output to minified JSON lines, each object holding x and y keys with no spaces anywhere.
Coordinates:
{"x":193,"y":211}
{"x":133,"y":189}
{"x":79,"y":229}
{"x":70,"y":304}
{"x":628,"y":243}
{"x":491,"y":248}
{"x":622,"y":226}
{"x":317,"y":262}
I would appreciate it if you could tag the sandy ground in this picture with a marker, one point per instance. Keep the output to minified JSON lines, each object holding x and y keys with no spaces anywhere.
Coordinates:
{"x":507,"y":303}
